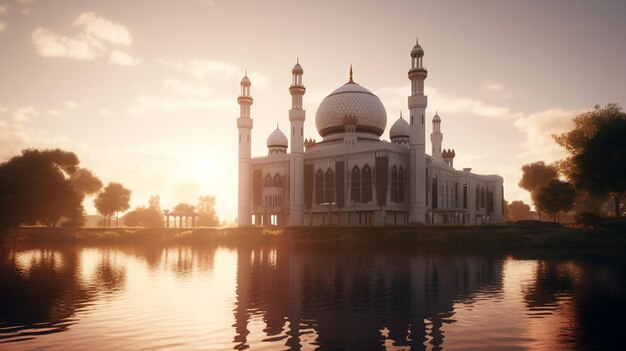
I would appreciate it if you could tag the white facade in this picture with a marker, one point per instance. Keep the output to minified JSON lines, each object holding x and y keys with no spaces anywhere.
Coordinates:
{"x":351,"y":177}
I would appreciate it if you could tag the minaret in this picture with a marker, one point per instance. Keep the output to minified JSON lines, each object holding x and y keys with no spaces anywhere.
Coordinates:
{"x":436,"y":138}
{"x":244,"y":124}
{"x":417,"y":159}
{"x":296,"y":116}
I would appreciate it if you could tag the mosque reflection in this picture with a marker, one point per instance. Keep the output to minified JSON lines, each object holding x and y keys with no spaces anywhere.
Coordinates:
{"x":318,"y":295}
{"x":357,"y":298}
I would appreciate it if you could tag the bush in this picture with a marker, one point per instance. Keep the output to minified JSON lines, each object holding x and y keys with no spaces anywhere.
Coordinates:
{"x":589,"y":218}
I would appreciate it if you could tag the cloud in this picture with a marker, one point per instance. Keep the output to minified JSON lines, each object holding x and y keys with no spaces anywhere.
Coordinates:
{"x":49,"y":44}
{"x":492,"y":86}
{"x":2,"y":26}
{"x":104,"y":29}
{"x":121,"y":58}
{"x":394,"y":99}
{"x":24,"y":114}
{"x":147,"y":103}
{"x":95,"y":39}
{"x":538,"y":129}
{"x":2,"y":9}
{"x":205,"y":68}
{"x":202,"y":68}
{"x":72,"y":104}
{"x":104,"y":112}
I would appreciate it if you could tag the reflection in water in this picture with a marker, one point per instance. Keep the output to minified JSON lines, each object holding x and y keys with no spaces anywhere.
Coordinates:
{"x":357,"y":300}
{"x":303,"y":297}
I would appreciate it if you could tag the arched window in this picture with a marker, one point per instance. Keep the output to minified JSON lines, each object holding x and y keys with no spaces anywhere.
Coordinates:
{"x":355,"y":184}
{"x":394,"y":184}
{"x":366,"y":183}
{"x":477,"y":197}
{"x":482,"y":197}
{"x":464,"y":195}
{"x":268,"y":180}
{"x":277,"y":180}
{"x":401,"y":185}
{"x":329,"y":189}
{"x":435,"y":190}
{"x":319,"y":187}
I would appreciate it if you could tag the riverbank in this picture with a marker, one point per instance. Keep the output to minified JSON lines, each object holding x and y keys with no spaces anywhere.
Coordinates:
{"x":527,"y":235}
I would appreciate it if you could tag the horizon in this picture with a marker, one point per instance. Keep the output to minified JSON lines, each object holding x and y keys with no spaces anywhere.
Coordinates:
{"x":155,"y":108}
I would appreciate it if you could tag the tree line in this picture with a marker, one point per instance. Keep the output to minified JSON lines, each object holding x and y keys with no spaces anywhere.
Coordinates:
{"x":593,"y":171}
{"x":48,"y":187}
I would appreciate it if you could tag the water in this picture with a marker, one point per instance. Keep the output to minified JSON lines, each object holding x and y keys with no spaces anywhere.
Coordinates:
{"x":304,"y":297}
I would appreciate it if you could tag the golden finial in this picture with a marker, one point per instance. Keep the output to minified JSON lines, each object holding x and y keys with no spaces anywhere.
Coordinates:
{"x":351,"y":81}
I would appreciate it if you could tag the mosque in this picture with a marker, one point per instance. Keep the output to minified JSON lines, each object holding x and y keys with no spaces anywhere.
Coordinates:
{"x":351,"y":176}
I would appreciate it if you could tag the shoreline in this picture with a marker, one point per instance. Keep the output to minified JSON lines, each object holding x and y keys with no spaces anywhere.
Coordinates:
{"x":535,"y":235}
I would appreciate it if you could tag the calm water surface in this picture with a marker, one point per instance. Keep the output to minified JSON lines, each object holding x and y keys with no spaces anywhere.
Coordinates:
{"x":304,"y":297}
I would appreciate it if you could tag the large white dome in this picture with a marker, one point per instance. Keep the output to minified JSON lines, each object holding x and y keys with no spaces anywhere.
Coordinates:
{"x":353,"y":102}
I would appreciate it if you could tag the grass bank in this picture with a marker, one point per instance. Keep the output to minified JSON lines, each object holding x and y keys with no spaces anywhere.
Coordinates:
{"x":530,"y":235}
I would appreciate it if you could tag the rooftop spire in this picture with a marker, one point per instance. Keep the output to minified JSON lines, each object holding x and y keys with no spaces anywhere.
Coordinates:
{"x":400,"y":113}
{"x":277,"y":125}
{"x":297,"y":59}
{"x":416,"y":39}
{"x":350,"y":81}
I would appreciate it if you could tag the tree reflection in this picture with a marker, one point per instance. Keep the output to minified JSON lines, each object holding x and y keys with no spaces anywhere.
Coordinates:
{"x":355,"y":298}
{"x":594,"y":292}
{"x":42,"y":289}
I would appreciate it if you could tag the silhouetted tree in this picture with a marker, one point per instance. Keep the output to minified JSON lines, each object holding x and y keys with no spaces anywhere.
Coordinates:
{"x":518,"y":211}
{"x":43,"y":186}
{"x":554,"y":197}
{"x":536,"y":175}
{"x":206,"y":211}
{"x":155,"y":203}
{"x":144,"y":217}
{"x":184,"y":207}
{"x":112,"y":199}
{"x":597,"y":161}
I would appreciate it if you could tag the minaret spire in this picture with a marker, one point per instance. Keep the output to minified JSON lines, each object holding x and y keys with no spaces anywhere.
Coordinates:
{"x":350,"y":81}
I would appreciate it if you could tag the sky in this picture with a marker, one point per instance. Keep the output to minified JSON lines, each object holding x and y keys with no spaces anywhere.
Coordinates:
{"x":145,"y":91}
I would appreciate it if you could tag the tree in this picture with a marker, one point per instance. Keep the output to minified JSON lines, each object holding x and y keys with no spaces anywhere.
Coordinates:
{"x":518,"y":211}
{"x":597,"y":161}
{"x":155,"y":203}
{"x":554,"y":197}
{"x":112,"y":199}
{"x":144,"y":217}
{"x":43,"y":186}
{"x":536,"y":175}
{"x":183,"y":207}
{"x":206,"y":211}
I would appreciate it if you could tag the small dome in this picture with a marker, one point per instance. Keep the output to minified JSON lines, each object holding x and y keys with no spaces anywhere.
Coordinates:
{"x":297,"y":69}
{"x":277,"y":139}
{"x":400,"y":129}
{"x":417,"y":50}
{"x":436,"y":118}
{"x":354,"y":101}
{"x":245,"y":81}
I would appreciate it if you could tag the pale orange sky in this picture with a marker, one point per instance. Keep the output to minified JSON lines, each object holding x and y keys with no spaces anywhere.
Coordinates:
{"x":145,"y":91}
